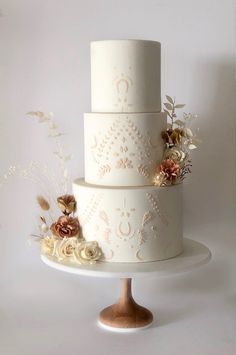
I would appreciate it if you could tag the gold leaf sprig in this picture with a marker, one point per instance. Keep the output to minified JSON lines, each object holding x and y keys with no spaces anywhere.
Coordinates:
{"x":170,"y":109}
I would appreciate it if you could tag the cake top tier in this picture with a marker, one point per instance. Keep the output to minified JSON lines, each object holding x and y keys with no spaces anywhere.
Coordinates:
{"x":125,"y":76}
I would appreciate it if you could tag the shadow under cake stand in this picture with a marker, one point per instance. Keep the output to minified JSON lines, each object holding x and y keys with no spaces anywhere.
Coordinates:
{"x":126,"y":315}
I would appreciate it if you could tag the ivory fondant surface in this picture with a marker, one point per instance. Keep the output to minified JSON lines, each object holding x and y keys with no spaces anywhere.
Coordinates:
{"x":132,"y":224}
{"x":125,"y":76}
{"x":123,"y":149}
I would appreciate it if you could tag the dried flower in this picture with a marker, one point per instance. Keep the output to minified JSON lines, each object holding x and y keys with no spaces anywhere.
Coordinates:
{"x":66,"y":227}
{"x":186,"y":169}
{"x":160,"y":179}
{"x":88,"y":252}
{"x":43,"y":219}
{"x":170,"y":169}
{"x":173,"y":136}
{"x":43,"y":203}
{"x":48,"y":245}
{"x":176,"y":154}
{"x":66,"y":204}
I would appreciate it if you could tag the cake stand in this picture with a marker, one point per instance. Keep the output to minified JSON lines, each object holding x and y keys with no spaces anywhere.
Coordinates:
{"x":126,"y":315}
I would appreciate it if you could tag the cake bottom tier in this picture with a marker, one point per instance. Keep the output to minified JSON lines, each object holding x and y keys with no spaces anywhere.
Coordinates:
{"x":131,"y":224}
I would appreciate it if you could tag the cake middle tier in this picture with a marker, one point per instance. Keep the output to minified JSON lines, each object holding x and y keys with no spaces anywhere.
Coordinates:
{"x":123,"y":149}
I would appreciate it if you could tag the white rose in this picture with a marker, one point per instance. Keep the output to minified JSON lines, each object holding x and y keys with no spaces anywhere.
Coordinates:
{"x":87,"y":252}
{"x":175,"y":154}
{"x":65,"y":248}
{"x":48,"y":245}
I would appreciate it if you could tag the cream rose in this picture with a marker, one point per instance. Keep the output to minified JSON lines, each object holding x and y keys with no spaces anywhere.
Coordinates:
{"x":88,"y":252}
{"x":48,"y":245}
{"x":175,"y":154}
{"x":65,"y":248}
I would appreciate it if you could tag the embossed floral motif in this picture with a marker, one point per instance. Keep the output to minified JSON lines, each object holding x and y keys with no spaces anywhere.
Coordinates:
{"x":124,"y":163}
{"x":66,"y":227}
{"x":144,"y":171}
{"x":88,"y":252}
{"x":142,"y":233}
{"x":124,"y":145}
{"x":103,"y":170}
{"x":67,"y":204}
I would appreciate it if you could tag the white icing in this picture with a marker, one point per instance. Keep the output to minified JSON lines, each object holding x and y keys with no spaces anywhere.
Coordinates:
{"x":131,"y":220}
{"x":131,"y":224}
{"x":123,"y":149}
{"x":125,"y":76}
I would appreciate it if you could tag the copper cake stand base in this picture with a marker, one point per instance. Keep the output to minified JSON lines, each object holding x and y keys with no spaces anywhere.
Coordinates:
{"x":126,"y":313}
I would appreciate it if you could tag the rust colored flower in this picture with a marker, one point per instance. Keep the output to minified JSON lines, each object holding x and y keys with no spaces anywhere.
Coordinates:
{"x":170,"y":169}
{"x":66,"y":204}
{"x":173,"y":136}
{"x":66,"y":227}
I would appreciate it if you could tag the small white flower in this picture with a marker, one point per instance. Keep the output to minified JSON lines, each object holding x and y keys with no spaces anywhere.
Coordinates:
{"x":51,"y":114}
{"x":192,"y":146}
{"x":188,"y":132}
{"x":44,"y":228}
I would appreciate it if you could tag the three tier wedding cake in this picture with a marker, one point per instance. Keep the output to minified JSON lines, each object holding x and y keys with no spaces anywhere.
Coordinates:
{"x":118,"y":203}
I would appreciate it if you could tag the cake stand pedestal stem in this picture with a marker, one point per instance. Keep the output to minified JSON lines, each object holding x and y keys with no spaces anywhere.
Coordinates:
{"x":126,"y":313}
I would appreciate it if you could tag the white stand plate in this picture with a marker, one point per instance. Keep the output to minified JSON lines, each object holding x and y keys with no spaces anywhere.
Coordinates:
{"x":126,"y":315}
{"x":195,"y":254}
{"x":122,"y":330}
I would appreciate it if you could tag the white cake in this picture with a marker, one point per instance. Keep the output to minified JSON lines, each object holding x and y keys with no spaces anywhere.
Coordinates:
{"x":131,"y":223}
{"x":118,"y":206}
{"x":125,"y":76}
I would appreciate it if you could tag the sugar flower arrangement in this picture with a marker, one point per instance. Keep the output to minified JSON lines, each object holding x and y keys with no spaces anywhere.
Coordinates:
{"x":66,"y":241}
{"x":63,"y":238}
{"x":179,"y":140}
{"x":60,"y":237}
